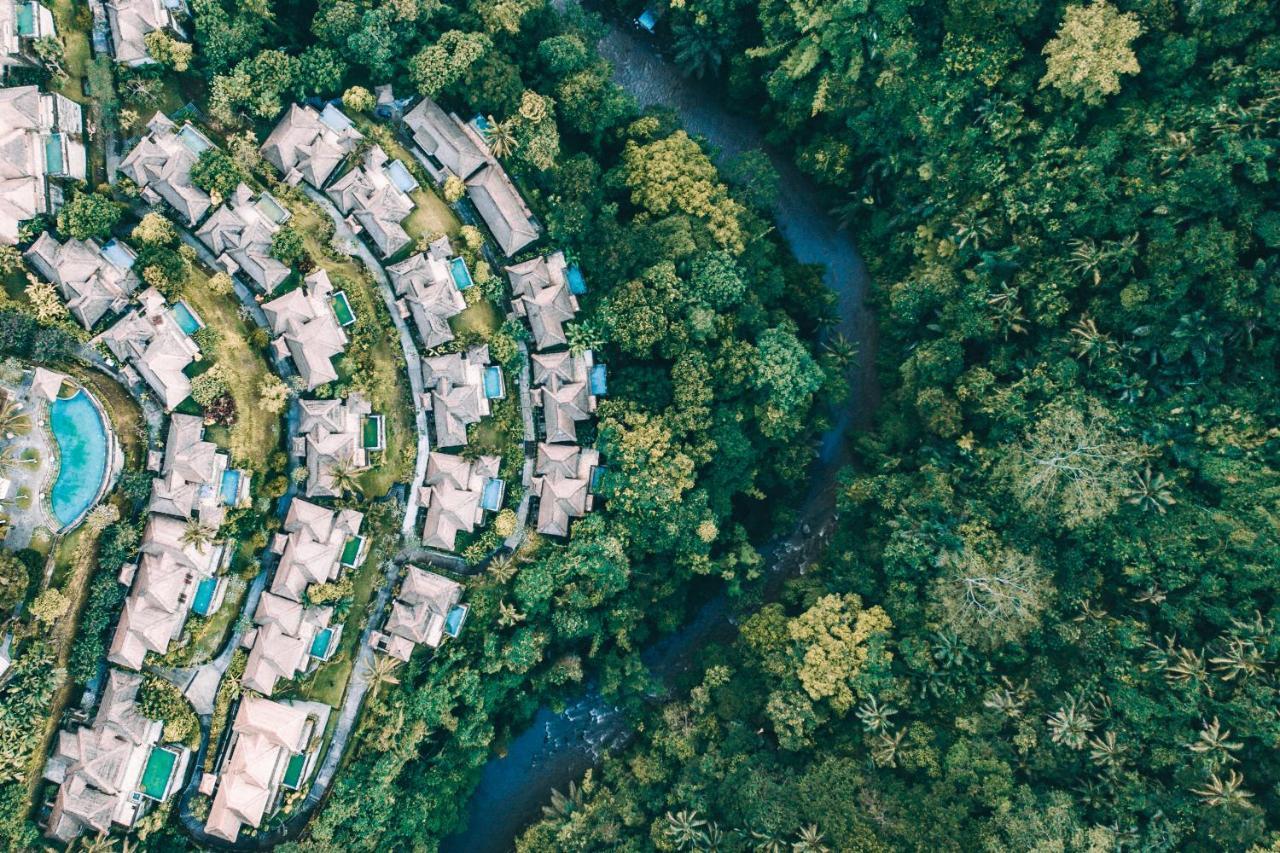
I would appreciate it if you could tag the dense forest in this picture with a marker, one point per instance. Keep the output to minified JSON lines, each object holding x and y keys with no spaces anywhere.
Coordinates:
{"x":1048,"y":621}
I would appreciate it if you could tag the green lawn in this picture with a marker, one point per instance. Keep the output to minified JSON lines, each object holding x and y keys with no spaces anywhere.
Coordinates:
{"x":482,"y":318}
{"x":431,"y":215}
{"x":256,"y":432}
{"x":208,"y":634}
{"x":75,"y":40}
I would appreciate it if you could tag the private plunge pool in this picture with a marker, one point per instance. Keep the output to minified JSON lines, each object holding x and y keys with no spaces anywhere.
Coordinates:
{"x":83,"y":448}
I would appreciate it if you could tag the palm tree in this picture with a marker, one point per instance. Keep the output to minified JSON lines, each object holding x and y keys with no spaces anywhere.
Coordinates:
{"x":1224,"y":792}
{"x":501,"y":137}
{"x":1009,"y":699}
{"x":884,"y":752}
{"x":1242,"y":659}
{"x":12,"y":418}
{"x":1216,"y":743}
{"x":1151,"y":492}
{"x":382,"y":672}
{"x":684,"y":829}
{"x":1090,"y":342}
{"x":810,"y":841}
{"x":1070,"y":725}
{"x":198,"y":535}
{"x":563,"y":805}
{"x":8,"y":459}
{"x":503,"y":567}
{"x":1106,"y":752}
{"x":874,"y":716}
{"x":508,"y":615}
{"x":342,"y":474}
{"x":842,"y":350}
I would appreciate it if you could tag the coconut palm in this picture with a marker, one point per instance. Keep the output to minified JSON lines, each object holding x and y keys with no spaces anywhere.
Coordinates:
{"x":684,"y":829}
{"x":874,"y":716}
{"x":501,"y":137}
{"x":503,"y":567}
{"x":563,"y":805}
{"x":1224,"y":792}
{"x":196,"y":534}
{"x":1215,"y":743}
{"x":1151,"y":492}
{"x":508,"y":615}
{"x":1106,"y":751}
{"x":810,"y":840}
{"x":381,"y":673}
{"x":99,"y":844}
{"x":12,"y":418}
{"x":884,"y":751}
{"x":1070,"y":725}
{"x":1241,"y":659}
{"x":342,"y":473}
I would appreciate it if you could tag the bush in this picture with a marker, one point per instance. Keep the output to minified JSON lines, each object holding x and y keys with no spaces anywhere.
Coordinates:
{"x":13,"y":581}
{"x":216,"y":172}
{"x":454,"y":189}
{"x":89,"y":215}
{"x":50,"y":606}
{"x":220,"y":284}
{"x":358,"y":99}
{"x":155,"y":229}
{"x":160,"y":700}
{"x":287,"y":247}
{"x":106,"y":595}
{"x":328,"y":593}
{"x":209,"y":386}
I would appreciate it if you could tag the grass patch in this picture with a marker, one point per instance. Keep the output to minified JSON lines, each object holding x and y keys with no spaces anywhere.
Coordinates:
{"x":68,"y":17}
{"x":209,"y":633}
{"x":431,"y":215}
{"x":481,"y":319}
{"x":256,"y":432}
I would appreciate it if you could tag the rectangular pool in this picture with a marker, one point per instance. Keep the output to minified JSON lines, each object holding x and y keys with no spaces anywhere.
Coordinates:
{"x":320,"y":645}
{"x":120,"y":255}
{"x":401,"y":176}
{"x":351,"y":550}
{"x":372,"y":433}
{"x":342,"y":309}
{"x":159,"y":770}
{"x":194,"y":140}
{"x":461,"y":275}
{"x":598,"y":381}
{"x":491,"y":497}
{"x":293,"y":771}
{"x":597,"y":477}
{"x":494,"y":387}
{"x":203,"y":599}
{"x":230,"y":487}
{"x":577,"y":284}
{"x":186,"y":319}
{"x":274,"y":212}
{"x":53,"y":155}
{"x":453,"y":622}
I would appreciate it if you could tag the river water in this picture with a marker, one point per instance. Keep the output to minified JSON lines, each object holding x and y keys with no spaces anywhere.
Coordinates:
{"x":558,"y":748}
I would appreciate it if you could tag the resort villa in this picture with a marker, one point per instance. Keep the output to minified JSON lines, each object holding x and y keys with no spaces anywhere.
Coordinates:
{"x":109,"y":772}
{"x":155,"y":347}
{"x":426,"y":610}
{"x":428,"y":291}
{"x":309,"y":146}
{"x":271,"y":749}
{"x":540,"y":293}
{"x":131,"y":21}
{"x":456,"y":493}
{"x":374,"y":198}
{"x":336,"y":434}
{"x":40,"y":137}
{"x":239,"y":233}
{"x":563,"y":482}
{"x":563,"y":388}
{"x":160,"y":164}
{"x":94,"y":279}
{"x":453,"y":147}
{"x":22,"y":22}
{"x":307,"y":328}
{"x":459,"y":386}
{"x":196,"y":480}
{"x":172,"y":577}
{"x":288,"y":640}
{"x":315,"y":547}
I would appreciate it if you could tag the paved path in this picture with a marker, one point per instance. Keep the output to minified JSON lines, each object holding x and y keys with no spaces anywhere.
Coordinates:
{"x":346,"y":241}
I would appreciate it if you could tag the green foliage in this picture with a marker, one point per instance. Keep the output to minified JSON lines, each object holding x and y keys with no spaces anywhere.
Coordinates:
{"x":1090,"y":52}
{"x":215,"y":171}
{"x":160,"y":700}
{"x":13,"y":581}
{"x":89,"y":215}
{"x":288,"y":247}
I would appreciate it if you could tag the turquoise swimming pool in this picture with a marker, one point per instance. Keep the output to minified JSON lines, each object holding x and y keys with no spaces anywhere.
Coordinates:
{"x":203,"y":599}
{"x":82,"y":448}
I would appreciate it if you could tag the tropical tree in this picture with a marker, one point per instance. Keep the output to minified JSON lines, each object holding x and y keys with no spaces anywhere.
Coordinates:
{"x":343,"y":475}
{"x":501,"y":137}
{"x":382,"y":673}
{"x":197,"y":534}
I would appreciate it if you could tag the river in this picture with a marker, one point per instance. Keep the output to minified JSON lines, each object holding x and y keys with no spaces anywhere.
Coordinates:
{"x":556,"y":749}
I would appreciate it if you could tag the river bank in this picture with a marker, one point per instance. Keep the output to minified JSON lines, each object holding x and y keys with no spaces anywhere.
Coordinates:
{"x":556,"y":749}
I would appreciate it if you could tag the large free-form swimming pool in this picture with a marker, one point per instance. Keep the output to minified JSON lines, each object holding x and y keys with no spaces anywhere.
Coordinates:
{"x":82,"y":450}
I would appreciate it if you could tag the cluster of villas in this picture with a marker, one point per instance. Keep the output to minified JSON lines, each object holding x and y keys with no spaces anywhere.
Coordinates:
{"x":109,"y":770}
{"x":42,"y":134}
